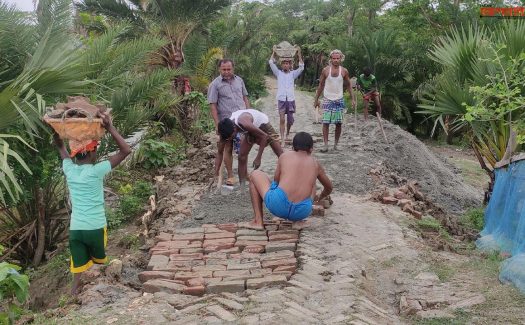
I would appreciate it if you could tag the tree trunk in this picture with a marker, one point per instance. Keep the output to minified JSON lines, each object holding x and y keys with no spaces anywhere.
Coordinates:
{"x":350,"y":21}
{"x":41,"y":227}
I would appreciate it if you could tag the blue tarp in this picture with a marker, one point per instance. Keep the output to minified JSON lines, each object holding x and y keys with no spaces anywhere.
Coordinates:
{"x":505,"y":222}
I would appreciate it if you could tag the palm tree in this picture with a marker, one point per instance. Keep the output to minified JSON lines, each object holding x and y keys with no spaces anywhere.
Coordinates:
{"x":470,"y":58}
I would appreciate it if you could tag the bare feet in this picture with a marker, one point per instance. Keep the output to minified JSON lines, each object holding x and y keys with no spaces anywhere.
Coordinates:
{"x":324,"y":148}
{"x":251,"y":225}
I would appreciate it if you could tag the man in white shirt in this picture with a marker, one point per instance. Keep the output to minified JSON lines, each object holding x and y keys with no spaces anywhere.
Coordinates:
{"x":285,"y":90}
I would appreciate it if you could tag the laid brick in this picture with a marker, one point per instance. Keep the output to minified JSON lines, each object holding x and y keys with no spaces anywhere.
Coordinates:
{"x":300,"y":225}
{"x":196,"y":230}
{"x":211,"y":230}
{"x":265,"y":281}
{"x":226,"y":286}
{"x":217,"y":248}
{"x":191,"y":250}
{"x":151,"y":275}
{"x":284,"y":237}
{"x":187,"y":263}
{"x":232,"y":250}
{"x":195,"y":290}
{"x":217,"y":242}
{"x":168,"y":286}
{"x":250,"y":232}
{"x":163,"y":236}
{"x":179,"y":244}
{"x":244,"y":266}
{"x":184,"y":276}
{"x":230,"y":273}
{"x":317,"y":210}
{"x":228,"y":226}
{"x":232,"y":304}
{"x":253,"y":249}
{"x":162,"y":251}
{"x":260,"y":272}
{"x":293,"y":241}
{"x":157,"y":261}
{"x":286,"y":222}
{"x":186,"y":257}
{"x":195,"y":282}
{"x":243,"y":277}
{"x":280,"y":246}
{"x":222,"y":255}
{"x":283,"y":232}
{"x":216,"y":261}
{"x":287,"y":274}
{"x":288,"y":268}
{"x":213,"y":280}
{"x":216,"y":267}
{"x":285,"y":227}
{"x":173,"y":268}
{"x":218,"y":235}
{"x":189,"y":237}
{"x":277,"y":255}
{"x":252,"y":238}
{"x":275,"y":263}
{"x":244,"y":243}
{"x":250,"y":255}
{"x":209,"y":225}
{"x":271,"y":227}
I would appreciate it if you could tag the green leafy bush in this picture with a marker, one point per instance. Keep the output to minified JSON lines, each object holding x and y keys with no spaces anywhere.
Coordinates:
{"x":474,"y":219}
{"x":12,"y":285}
{"x":132,"y":199}
{"x":157,"y":154}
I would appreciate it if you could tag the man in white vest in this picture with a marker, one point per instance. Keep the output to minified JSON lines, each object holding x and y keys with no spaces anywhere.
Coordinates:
{"x":331,"y":84}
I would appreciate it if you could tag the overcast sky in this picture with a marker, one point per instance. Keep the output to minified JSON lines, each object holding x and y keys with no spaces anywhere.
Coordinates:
{"x":26,"y":5}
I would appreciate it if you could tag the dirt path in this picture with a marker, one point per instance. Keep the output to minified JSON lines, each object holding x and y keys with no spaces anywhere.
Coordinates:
{"x":363,"y":263}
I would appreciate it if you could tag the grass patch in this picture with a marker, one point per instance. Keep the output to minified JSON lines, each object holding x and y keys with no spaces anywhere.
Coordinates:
{"x":443,"y":271}
{"x":473,"y":219}
{"x":130,"y":241}
{"x":133,"y":197}
{"x":57,"y":266}
{"x":390,"y":262}
{"x":429,"y":224}
{"x":487,"y":263}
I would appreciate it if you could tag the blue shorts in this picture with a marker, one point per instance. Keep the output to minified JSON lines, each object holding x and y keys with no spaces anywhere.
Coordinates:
{"x":277,"y":202}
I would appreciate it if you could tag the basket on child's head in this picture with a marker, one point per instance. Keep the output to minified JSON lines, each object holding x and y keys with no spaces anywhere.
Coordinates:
{"x":76,"y":120}
{"x":285,"y":50}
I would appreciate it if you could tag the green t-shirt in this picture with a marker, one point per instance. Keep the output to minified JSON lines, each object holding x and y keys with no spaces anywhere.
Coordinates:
{"x":367,"y":84}
{"x":86,"y":189}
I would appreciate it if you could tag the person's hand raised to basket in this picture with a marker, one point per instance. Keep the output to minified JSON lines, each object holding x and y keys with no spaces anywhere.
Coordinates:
{"x":106,"y":119}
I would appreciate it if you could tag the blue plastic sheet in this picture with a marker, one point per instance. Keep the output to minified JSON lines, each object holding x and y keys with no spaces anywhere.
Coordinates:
{"x":504,"y":229}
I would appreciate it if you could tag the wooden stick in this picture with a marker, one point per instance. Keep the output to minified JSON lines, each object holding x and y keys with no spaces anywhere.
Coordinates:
{"x":221,"y":176}
{"x":381,"y":125}
{"x":355,"y":118}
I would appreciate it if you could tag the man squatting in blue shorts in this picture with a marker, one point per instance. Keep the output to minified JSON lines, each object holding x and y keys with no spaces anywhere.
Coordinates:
{"x":291,"y":194}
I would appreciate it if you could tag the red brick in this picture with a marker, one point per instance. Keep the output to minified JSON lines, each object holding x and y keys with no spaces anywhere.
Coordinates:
{"x":280,"y":246}
{"x":186,"y":257}
{"x":285,"y":227}
{"x":271,"y":227}
{"x":253,"y":249}
{"x":175,"y":268}
{"x":244,"y":266}
{"x":250,"y":232}
{"x":212,"y":230}
{"x":233,"y":250}
{"x":280,"y":255}
{"x":198,"y":230}
{"x":401,"y":196}
{"x":217,"y":248}
{"x":276,"y":263}
{"x":191,"y":250}
{"x":283,"y":232}
{"x":168,"y":286}
{"x":184,"y":276}
{"x":194,"y":291}
{"x":228,"y":226}
{"x":248,"y":255}
{"x":261,"y":272}
{"x":252,"y":238}
{"x":216,"y":267}
{"x":218,"y":235}
{"x":195,"y":282}
{"x":151,"y":275}
{"x":213,"y":255}
{"x":188,"y":263}
{"x":389,"y":200}
{"x":163,"y":236}
{"x":300,"y":225}
{"x":157,"y":261}
{"x":208,"y":225}
{"x":179,"y":244}
{"x":189,"y":237}
{"x":226,"y":286}
{"x":165,"y":252}
{"x":217,"y":242}
{"x":284,"y":237}
{"x":244,"y":243}
{"x":317,"y":210}
{"x":216,"y":261}
{"x":290,"y":268}
{"x":265,"y":281}
{"x":230,"y":273}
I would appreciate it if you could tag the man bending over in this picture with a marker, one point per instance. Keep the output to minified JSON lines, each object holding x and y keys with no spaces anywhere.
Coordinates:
{"x":290,"y":196}
{"x":256,"y":128}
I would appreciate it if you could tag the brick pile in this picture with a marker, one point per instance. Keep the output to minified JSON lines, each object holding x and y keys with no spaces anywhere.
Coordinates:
{"x":222,"y":258}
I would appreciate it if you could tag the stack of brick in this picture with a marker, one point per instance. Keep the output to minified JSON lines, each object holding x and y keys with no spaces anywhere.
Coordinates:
{"x":407,"y":197}
{"x":222,"y":258}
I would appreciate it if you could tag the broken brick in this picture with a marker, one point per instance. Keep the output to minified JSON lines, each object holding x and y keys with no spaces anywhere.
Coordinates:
{"x":168,"y":286}
{"x":389,"y":200}
{"x":157,"y":261}
{"x":151,"y":275}
{"x":195,"y":291}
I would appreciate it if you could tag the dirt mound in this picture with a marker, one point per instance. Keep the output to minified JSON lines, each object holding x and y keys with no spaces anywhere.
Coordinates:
{"x":405,"y":157}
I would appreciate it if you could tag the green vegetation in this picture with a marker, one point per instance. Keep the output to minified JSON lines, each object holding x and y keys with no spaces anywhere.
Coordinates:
{"x":461,"y":317}
{"x":474,"y":219}
{"x":132,"y":198}
{"x":14,"y":291}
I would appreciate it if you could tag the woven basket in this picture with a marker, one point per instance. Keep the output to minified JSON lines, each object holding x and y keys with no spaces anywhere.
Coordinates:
{"x":75,"y":128}
{"x":285,"y":50}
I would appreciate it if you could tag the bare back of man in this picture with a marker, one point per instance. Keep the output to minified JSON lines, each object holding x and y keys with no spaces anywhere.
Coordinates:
{"x":290,"y":196}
